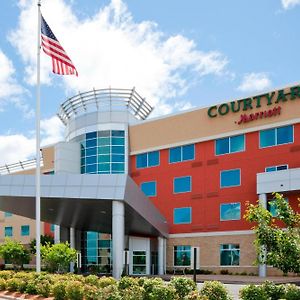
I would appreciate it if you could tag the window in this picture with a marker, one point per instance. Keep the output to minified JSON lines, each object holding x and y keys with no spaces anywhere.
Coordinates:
{"x":25,"y":230}
{"x":103,"y":152}
{"x":182,"y":215}
{"x":182,"y":184}
{"x":8,"y":231}
{"x":182,"y":153}
{"x":146,"y":160}
{"x":182,"y":256}
{"x":7,"y":214}
{"x":276,"y":168}
{"x":230,"y":178}
{"x":230,"y":211}
{"x":230,"y":144}
{"x":149,"y":188}
{"x":276,"y":136}
{"x":139,"y":262}
{"x":52,"y":227}
{"x":272,"y":207}
{"x":229,"y":255}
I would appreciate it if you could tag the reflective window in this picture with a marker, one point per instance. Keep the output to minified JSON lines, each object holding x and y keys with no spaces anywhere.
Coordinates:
{"x":25,"y":230}
{"x":7,"y":214}
{"x":103,"y":152}
{"x":182,"y":215}
{"x":139,"y":262}
{"x":230,"y":144}
{"x":149,"y":188}
{"x":146,"y":160}
{"x":182,"y":153}
{"x":230,"y":211}
{"x":8,"y":231}
{"x":230,"y":178}
{"x":182,"y":184}
{"x":229,"y":255}
{"x":276,"y":168}
{"x":182,"y":256}
{"x":276,"y":136}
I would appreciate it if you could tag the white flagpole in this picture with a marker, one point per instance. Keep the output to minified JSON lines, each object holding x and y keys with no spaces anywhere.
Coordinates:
{"x":38,"y":156}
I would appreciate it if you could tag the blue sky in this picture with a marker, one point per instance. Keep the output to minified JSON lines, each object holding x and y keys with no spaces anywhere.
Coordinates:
{"x":178,"y":54}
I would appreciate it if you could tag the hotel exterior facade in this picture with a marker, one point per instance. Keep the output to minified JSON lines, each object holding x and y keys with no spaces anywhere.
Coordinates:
{"x":126,"y":191}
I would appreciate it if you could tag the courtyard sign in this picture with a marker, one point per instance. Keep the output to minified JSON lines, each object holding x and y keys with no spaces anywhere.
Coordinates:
{"x":276,"y":97}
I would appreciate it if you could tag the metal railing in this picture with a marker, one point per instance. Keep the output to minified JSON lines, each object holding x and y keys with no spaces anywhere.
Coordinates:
{"x":106,"y":100}
{"x":19,"y":166}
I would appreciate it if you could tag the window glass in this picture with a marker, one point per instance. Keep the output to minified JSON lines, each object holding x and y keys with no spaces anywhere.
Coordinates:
{"x":270,"y":169}
{"x":276,"y":168}
{"x":7,"y":214}
{"x":91,"y":151}
{"x":91,"y":169}
{"x":139,"y":263}
{"x":267,"y":138}
{"x":104,"y":133}
{"x":103,"y":158}
{"x":91,"y":143}
{"x":117,"y":141}
{"x":141,"y":160}
{"x":230,"y":178}
{"x":118,"y":158}
{"x":230,"y":211}
{"x":282,"y":167}
{"x":182,"y":256}
{"x":25,"y":230}
{"x":175,"y":154}
{"x":149,"y":159}
{"x":182,"y":215}
{"x":182,"y":184}
{"x":222,"y":146}
{"x":8,"y":231}
{"x":284,"y":135}
{"x":104,"y":141}
{"x":91,"y":135}
{"x":153,"y":159}
{"x":149,"y":188}
{"x":120,"y":133}
{"x":188,"y":152}
{"x":52,"y":227}
{"x":229,"y":255}
{"x":117,"y":167}
{"x":91,"y":160}
{"x":237,"y":143}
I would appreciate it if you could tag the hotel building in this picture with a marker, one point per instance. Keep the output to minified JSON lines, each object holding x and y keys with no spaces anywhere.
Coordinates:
{"x":124,"y":189}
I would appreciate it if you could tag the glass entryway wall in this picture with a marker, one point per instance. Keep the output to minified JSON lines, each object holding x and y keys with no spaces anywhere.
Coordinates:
{"x":139,"y":264}
{"x":96,"y":249}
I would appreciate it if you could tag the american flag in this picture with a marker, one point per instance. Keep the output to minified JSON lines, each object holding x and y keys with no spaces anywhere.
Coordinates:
{"x":61,"y":62}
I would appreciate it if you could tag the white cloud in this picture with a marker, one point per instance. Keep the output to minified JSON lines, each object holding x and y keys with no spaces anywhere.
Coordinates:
{"x":255,"y":82}
{"x":111,"y":49}
{"x":18,"y":147}
{"x":287,"y":4}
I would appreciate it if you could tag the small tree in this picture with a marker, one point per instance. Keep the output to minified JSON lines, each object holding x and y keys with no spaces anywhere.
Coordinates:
{"x":282,"y":244}
{"x":15,"y":253}
{"x":45,"y":239}
{"x":58,"y":257}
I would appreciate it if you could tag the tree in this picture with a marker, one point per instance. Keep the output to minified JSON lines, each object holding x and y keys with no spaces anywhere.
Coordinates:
{"x":282,"y":243}
{"x":15,"y":253}
{"x":58,"y":257}
{"x":45,"y":239}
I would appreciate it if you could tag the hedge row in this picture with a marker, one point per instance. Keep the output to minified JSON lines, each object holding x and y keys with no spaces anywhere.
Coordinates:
{"x":270,"y":291}
{"x":77,"y":287}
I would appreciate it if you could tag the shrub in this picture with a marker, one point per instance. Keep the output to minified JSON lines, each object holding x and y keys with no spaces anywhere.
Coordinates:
{"x":194,"y":295}
{"x":91,"y":280}
{"x":91,"y":292}
{"x":215,"y":290}
{"x":74,"y":290}
{"x":43,"y":288}
{"x":6,"y":274}
{"x":292,"y":292}
{"x":273,"y":291}
{"x":253,"y":292}
{"x":183,"y":286}
{"x":15,"y":285}
{"x":134,"y":292}
{"x":160,"y":292}
{"x":106,"y":281}
{"x":127,"y":282}
{"x":110,"y":292}
{"x":2,"y":284}
{"x":31,"y":287}
{"x":149,"y":284}
{"x":59,"y":290}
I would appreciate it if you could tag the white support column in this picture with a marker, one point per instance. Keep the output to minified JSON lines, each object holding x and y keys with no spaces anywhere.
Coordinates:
{"x":160,"y":255}
{"x":118,"y":232}
{"x":262,"y":268}
{"x":72,"y":245}
{"x":165,"y":255}
{"x":56,"y":234}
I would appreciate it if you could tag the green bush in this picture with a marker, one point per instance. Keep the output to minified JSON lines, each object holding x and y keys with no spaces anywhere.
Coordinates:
{"x":149,"y":284}
{"x":15,"y":285}
{"x":6,"y":274}
{"x":74,"y":290}
{"x":110,"y":292}
{"x":91,"y":280}
{"x":194,"y":295}
{"x":2,"y":284}
{"x":59,"y":290}
{"x":31,"y":287}
{"x":292,"y":292}
{"x":134,"y":292}
{"x":183,"y":286}
{"x":106,"y":281}
{"x":43,"y":288}
{"x":215,"y":290}
{"x":127,"y":282}
{"x":273,"y":291}
{"x":91,"y":292}
{"x":160,"y":292}
{"x":253,"y":292}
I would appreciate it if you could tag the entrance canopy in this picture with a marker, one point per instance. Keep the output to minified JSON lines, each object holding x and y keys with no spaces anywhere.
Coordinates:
{"x":83,"y":201}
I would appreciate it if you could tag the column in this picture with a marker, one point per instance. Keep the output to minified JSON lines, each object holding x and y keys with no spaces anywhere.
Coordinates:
{"x":118,"y":232}
{"x":72,"y":245}
{"x":56,"y":234}
{"x":160,"y":255}
{"x":262,"y":268}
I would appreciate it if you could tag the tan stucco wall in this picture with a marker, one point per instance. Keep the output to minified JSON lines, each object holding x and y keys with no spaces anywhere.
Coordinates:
{"x":197,"y":126}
